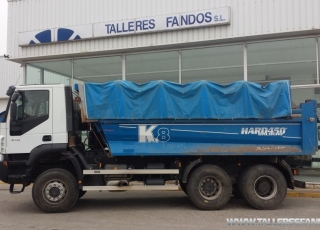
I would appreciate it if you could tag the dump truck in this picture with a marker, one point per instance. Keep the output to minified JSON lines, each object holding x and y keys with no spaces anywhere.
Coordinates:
{"x":209,"y":140}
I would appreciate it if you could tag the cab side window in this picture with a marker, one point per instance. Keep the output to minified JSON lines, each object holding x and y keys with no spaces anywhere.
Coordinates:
{"x":36,"y":104}
{"x":32,"y":110}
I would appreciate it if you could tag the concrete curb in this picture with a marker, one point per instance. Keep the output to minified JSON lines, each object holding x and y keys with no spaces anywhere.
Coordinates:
{"x":313,"y":185}
{"x":315,"y":194}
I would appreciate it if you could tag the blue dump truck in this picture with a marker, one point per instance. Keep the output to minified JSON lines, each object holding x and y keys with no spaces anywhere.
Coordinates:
{"x":210,"y":140}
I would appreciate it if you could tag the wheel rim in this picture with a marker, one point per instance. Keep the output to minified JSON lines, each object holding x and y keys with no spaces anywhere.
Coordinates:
{"x":265,"y":187}
{"x":210,"y":188}
{"x":54,"y":191}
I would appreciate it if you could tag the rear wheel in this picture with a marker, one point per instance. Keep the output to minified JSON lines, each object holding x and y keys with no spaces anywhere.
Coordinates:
{"x":263,"y":187}
{"x":55,"y":190}
{"x":236,"y":187}
{"x":209,"y":187}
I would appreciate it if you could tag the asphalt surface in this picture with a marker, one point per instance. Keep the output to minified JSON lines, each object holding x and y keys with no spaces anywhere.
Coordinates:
{"x":143,"y":210}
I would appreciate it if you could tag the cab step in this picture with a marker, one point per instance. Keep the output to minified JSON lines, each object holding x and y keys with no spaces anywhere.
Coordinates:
{"x":17,"y":179}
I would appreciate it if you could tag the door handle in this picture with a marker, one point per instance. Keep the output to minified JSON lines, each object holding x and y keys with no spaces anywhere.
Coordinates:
{"x":46,"y":138}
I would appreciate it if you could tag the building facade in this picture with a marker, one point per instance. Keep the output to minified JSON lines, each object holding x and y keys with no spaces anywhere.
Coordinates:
{"x":59,"y":41}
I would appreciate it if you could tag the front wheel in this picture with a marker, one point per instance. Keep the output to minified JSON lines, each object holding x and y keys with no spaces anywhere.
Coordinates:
{"x":209,"y":187}
{"x":263,"y":187}
{"x":55,"y":190}
{"x":81,"y":193}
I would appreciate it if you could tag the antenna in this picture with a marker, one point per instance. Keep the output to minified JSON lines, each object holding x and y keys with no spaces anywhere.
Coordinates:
{"x":17,"y":80}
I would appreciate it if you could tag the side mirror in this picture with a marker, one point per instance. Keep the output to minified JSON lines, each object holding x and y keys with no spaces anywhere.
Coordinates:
{"x":14,"y":97}
{"x":13,"y":111}
{"x":15,"y":125}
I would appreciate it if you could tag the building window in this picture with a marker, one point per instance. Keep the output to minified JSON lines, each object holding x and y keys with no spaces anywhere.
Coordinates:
{"x":293,"y":60}
{"x":141,"y":68}
{"x":218,"y":64}
{"x":57,"y":72}
{"x":100,"y":69}
{"x":51,"y":72}
{"x":300,"y":95}
{"x":32,"y":75}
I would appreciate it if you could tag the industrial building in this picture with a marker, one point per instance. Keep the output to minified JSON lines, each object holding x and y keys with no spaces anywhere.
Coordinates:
{"x":180,"y":41}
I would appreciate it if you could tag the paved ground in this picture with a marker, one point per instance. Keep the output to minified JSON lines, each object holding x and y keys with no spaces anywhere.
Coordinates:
{"x":143,"y":210}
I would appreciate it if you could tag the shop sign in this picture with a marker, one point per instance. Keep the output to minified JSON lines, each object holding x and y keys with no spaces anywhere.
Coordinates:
{"x":203,"y":18}
{"x":213,"y":17}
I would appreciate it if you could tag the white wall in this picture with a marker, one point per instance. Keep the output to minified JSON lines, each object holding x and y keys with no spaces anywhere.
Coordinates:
{"x":3,"y":104}
{"x":249,"y":18}
{"x":10,"y":74}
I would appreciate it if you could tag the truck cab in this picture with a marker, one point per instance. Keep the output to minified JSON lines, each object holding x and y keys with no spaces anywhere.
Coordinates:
{"x":34,"y":124}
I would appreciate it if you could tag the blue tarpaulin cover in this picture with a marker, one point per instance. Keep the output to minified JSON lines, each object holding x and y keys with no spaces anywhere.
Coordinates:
{"x":196,"y":100}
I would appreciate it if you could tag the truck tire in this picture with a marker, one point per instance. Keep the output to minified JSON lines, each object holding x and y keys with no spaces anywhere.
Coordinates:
{"x":236,"y":187}
{"x":55,"y":190}
{"x":81,"y":193}
{"x":263,"y":187}
{"x":183,"y":187}
{"x":209,"y":187}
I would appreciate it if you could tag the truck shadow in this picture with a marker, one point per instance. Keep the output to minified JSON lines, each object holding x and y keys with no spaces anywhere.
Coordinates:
{"x":97,"y":202}
{"x":147,"y":203}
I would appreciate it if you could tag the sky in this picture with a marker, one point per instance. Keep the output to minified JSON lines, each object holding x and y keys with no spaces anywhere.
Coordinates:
{"x":3,"y":26}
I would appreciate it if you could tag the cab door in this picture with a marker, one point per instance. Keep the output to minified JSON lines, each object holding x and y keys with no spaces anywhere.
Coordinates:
{"x":30,"y":126}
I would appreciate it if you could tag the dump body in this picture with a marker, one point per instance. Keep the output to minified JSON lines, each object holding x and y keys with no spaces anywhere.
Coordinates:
{"x":201,"y":118}
{"x":292,"y":136}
